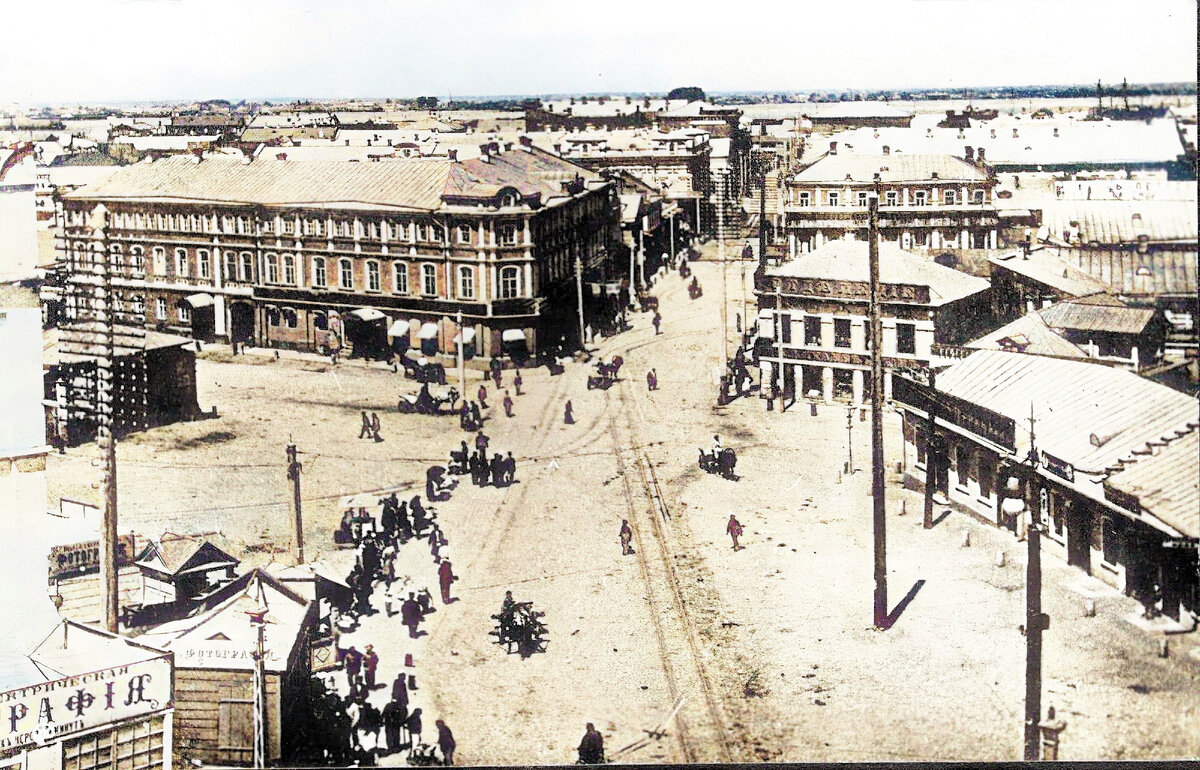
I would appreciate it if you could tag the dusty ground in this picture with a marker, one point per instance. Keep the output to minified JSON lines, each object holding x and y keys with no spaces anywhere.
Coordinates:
{"x":782,"y":629}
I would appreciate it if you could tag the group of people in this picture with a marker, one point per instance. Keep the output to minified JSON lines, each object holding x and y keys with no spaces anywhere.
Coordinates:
{"x":370,"y":427}
{"x":499,"y":470}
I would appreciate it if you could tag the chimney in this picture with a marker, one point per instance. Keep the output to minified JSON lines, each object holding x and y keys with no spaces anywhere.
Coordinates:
{"x":485,"y":152}
{"x":833,"y":148}
{"x":979,"y":155}
{"x":281,"y":156}
{"x":933,"y":175}
{"x":969,"y":153}
{"x":525,"y":141}
{"x":887,"y":150}
{"x":452,"y":154}
{"x":1056,"y":130}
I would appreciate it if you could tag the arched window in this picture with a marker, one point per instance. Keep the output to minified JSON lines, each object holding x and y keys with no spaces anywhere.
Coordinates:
{"x":183,"y":265}
{"x":160,"y":260}
{"x":509,"y":197}
{"x":400,"y":277}
{"x":320,"y":277}
{"x":273,"y":316}
{"x":320,"y":321}
{"x":289,"y":269}
{"x":272,"y":268}
{"x":184,"y":310}
{"x":373,"y":283}
{"x":230,"y":266}
{"x":510,"y":282}
{"x":247,"y":269}
{"x":345,"y":274}
{"x":429,"y":280}
{"x":289,"y":317}
{"x":160,"y":309}
{"x":137,"y":259}
{"x":204,"y":263}
{"x":466,"y":282}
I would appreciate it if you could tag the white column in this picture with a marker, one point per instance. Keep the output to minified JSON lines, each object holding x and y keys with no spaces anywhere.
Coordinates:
{"x":857,"y":383}
{"x":887,"y":386}
{"x":827,"y":331}
{"x":791,"y":245}
{"x":827,"y":384}
{"x":992,"y":239}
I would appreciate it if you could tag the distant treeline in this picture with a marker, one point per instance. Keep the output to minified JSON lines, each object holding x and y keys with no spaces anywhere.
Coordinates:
{"x":932,"y":94}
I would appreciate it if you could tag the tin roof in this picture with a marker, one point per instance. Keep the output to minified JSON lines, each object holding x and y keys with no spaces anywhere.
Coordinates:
{"x":1159,"y":271}
{"x":1047,"y":268}
{"x":843,"y":260}
{"x":1029,"y":334}
{"x":862,"y":167}
{"x":1166,"y":483}
{"x":1090,"y":416}
{"x":1097,"y":312}
{"x":1111,"y":222}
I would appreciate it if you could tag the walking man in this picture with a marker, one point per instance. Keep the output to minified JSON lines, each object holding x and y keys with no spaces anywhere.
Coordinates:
{"x":568,"y":417}
{"x":652,"y":380}
{"x":481,"y":444}
{"x":626,"y":537}
{"x":445,"y":742}
{"x":734,"y":528}
{"x":370,"y":664}
{"x":446,"y":576}
{"x":375,"y":427}
{"x":482,"y":396}
{"x":395,"y":714}
{"x":508,"y":404}
{"x":517,"y":381}
{"x":657,"y":323}
{"x":353,"y":660}
{"x":413,"y":726}
{"x":366,"y":427}
{"x":410,"y":614}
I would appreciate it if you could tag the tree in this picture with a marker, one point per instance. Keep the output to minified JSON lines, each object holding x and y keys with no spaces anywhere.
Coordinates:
{"x":691,"y":93}
{"x":427,"y":102}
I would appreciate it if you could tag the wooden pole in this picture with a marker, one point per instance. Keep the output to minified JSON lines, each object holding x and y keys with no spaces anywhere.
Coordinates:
{"x":106,"y":419}
{"x":297,"y":515}
{"x":877,"y":478}
{"x":579,"y":297}
{"x":1035,"y":621}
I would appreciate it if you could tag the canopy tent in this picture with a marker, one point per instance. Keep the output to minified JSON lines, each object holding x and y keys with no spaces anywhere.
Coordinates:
{"x":200,"y":300}
{"x":467,"y":336}
{"x":512,"y":335}
{"x":367,"y":314}
{"x":398,"y":328}
{"x":429,"y":331}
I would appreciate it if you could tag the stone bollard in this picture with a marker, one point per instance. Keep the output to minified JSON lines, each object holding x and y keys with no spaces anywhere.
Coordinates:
{"x":999,"y":558}
{"x":1164,"y":647}
{"x":1089,"y":608}
{"x":966,"y":538}
{"x":903,"y":509}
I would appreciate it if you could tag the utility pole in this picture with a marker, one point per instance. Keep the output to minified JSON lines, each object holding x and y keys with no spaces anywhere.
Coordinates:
{"x":579,"y":296}
{"x":258,"y":619}
{"x":1035,"y":621}
{"x":849,"y":439}
{"x":293,"y":474}
{"x":106,"y":419}
{"x":462,"y":366}
{"x":930,"y":450}
{"x":877,"y":489}
{"x":723,"y":180}
{"x":762,"y":214}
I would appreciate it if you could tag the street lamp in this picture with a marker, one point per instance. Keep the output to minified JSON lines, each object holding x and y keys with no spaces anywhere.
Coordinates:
{"x":849,"y":439}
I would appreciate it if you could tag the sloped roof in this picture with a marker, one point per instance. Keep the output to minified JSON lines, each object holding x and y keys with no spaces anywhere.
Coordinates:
{"x":843,"y":260}
{"x":891,"y":168}
{"x":1166,"y":483}
{"x":175,"y":554}
{"x":1099,"y":312}
{"x":222,"y":637}
{"x":1030,"y":335}
{"x":528,"y":171}
{"x":1090,"y":416}
{"x":1162,"y":271}
{"x":836,"y":110}
{"x":1049,"y":269}
{"x":1112,"y":222}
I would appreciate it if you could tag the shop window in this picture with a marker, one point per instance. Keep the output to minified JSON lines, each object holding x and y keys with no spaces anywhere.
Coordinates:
{"x":136,"y":746}
{"x":812,"y":330}
{"x":841,"y":332}
{"x":906,"y":338}
{"x":320,"y":322}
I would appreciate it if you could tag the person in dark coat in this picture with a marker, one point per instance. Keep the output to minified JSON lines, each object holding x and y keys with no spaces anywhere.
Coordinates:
{"x":446,"y":576}
{"x":508,"y":404}
{"x":477,"y":466}
{"x":626,"y":538}
{"x":400,"y":690}
{"x":445,"y":742}
{"x":476,"y":416}
{"x":517,"y":381}
{"x":387,"y":519}
{"x":482,"y":395}
{"x":413,"y":726}
{"x":352,"y":659}
{"x":497,"y":470}
{"x":370,"y":663}
{"x":481,"y":444}
{"x":410,"y":614}
{"x":591,"y":748}
{"x":657,"y":321}
{"x":568,"y":416}
{"x":464,"y":416}
{"x":395,"y":714}
{"x":510,"y":469}
{"x":365,"y":431}
{"x":369,"y":720}
{"x":403,"y":526}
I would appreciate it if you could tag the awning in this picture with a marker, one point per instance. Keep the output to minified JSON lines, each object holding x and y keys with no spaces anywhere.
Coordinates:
{"x":414,"y":356}
{"x":429,"y":331}
{"x":198,"y":301}
{"x":367,"y":314}
{"x":398,"y":329}
{"x":512,"y":335}
{"x":468,"y":336}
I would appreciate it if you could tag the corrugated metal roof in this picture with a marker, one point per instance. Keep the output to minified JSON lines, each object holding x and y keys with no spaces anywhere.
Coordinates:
{"x":415,"y":184}
{"x":1049,"y":269}
{"x":1158,"y":271}
{"x":1090,"y":416}
{"x":1101,"y":312}
{"x":1166,"y":483}
{"x":1030,"y":335}
{"x":891,"y":168}
{"x":1112,"y":222}
{"x":844,"y":260}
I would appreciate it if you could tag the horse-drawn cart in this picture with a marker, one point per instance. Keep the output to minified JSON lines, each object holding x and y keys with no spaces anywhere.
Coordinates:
{"x":435,"y":402}
{"x":519,"y":628}
{"x":721,"y":463}
{"x":421,"y":369}
{"x":606,"y":374}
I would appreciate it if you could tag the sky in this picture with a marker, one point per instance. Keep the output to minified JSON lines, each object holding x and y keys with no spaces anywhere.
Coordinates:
{"x":78,"y":51}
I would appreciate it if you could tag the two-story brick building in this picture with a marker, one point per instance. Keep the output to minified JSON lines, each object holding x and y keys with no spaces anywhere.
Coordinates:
{"x":813,"y":323}
{"x":927,"y":202}
{"x":377,"y":257}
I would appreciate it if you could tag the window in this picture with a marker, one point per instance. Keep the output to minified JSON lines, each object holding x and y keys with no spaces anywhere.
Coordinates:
{"x":906,"y":338}
{"x":194,"y":223}
{"x":891,"y":198}
{"x":509,"y":198}
{"x":862,"y":199}
{"x":812,"y":330}
{"x":464,"y":233}
{"x":268,"y":225}
{"x":1110,"y":541}
{"x":841,"y":332}
{"x":785,"y":328}
{"x":867,"y":335}
{"x":247,"y":273}
{"x":137,"y":259}
{"x":428,"y":280}
{"x":466,"y":282}
{"x":345,"y":274}
{"x":372,"y":276}
{"x":920,"y":197}
{"x":373,"y":230}
{"x":204,"y":263}
{"x":289,"y":317}
{"x":243,"y":225}
{"x":400,"y":277}
{"x":950,"y":197}
{"x":227,"y":224}
{"x":977,"y":197}
{"x":185,"y":312}
{"x":136,"y":746}
{"x":289,"y":226}
{"x":833,"y":198}
{"x":182,"y":266}
{"x":139,"y":304}
{"x":160,"y":309}
{"x":437,"y":233}
{"x":320,"y":321}
{"x":507,"y":235}
{"x":273,"y":316}
{"x":510,"y":282}
{"x":803,"y":199}
{"x":341,"y":228}
{"x":230,"y":266}
{"x":289,"y":269}
{"x":272,"y":268}
{"x":319,"y":276}
{"x":172,"y":223}
{"x":397,"y":231}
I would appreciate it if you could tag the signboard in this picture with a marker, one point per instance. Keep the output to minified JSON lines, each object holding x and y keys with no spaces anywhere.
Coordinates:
{"x":81,"y":558}
{"x":1061,"y":468}
{"x":888,"y":292}
{"x":324,"y":654}
{"x":983,"y":422}
{"x":52,"y":710}
{"x":839,"y":357}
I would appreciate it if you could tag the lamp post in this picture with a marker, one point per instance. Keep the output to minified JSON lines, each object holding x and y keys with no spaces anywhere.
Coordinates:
{"x":849,"y":439}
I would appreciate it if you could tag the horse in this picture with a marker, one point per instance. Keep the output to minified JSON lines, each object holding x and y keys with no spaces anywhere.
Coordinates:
{"x":722,"y":463}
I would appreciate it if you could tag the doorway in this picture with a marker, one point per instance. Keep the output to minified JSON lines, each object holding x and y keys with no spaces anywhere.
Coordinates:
{"x":241,"y":322}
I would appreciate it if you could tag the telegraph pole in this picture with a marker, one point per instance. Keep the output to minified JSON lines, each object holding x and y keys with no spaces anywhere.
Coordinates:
{"x":762,"y":213}
{"x":293,"y":474}
{"x":258,"y":619}
{"x":877,"y":489}
{"x":106,"y":418}
{"x":1035,"y":621}
{"x":579,"y":296}
{"x":930,"y":453}
{"x":721,"y":252}
{"x":462,"y":367}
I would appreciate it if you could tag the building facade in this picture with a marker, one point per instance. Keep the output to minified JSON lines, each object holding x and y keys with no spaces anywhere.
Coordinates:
{"x":936,"y":203}
{"x":814,"y":335}
{"x":371,"y":257}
